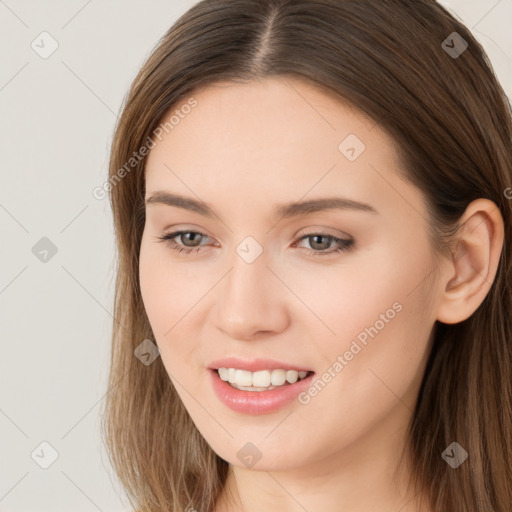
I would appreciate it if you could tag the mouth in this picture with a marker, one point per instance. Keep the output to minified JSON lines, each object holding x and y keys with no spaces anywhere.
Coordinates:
{"x":259,"y":392}
{"x":262,"y":380}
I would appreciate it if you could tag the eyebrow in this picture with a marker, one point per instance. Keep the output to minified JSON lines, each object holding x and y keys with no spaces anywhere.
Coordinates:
{"x":283,"y":210}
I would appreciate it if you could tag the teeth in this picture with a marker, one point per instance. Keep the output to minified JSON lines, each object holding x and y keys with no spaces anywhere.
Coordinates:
{"x":259,"y":379}
{"x":242,"y":378}
{"x":265,"y":379}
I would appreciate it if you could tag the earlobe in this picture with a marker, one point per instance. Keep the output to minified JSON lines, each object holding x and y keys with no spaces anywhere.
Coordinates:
{"x":474,"y":262}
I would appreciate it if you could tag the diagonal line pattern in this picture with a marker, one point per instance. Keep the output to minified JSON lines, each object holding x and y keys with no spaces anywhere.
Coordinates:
{"x":74,"y":218}
{"x":280,"y":423}
{"x":286,"y":491}
{"x":487,"y":13}
{"x":93,"y":297}
{"x":416,"y":210}
{"x":423,"y":280}
{"x":290,"y":85}
{"x":88,"y":87}
{"x":14,"y":485}
{"x":482,"y":34}
{"x":13,"y":279}
{"x":486,"y":216}
{"x":13,"y":13}
{"x":76,"y":14}
{"x":85,"y":494}
{"x":391,"y":390}
{"x":13,"y":217}
{"x":14,"y":423}
{"x":109,"y":391}
{"x":14,"y":76}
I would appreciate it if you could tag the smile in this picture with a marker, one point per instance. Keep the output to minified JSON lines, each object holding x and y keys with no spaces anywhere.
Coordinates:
{"x":258,"y":400}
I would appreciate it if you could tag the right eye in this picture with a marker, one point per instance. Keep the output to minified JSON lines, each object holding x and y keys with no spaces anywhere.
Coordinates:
{"x":168,"y":239}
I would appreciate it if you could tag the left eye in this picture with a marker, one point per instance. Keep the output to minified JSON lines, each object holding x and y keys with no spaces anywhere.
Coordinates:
{"x":169,"y":239}
{"x":341,"y":244}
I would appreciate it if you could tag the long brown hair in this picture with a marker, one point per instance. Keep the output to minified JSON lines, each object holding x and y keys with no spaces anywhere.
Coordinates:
{"x":399,"y":62}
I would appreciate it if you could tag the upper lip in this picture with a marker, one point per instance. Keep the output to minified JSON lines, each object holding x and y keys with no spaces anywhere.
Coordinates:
{"x":254,"y":365}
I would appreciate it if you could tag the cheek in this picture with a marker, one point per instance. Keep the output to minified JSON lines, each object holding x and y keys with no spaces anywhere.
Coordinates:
{"x":343,"y":298}
{"x":171,"y":293}
{"x":378,"y":312}
{"x":167,"y":291}
{"x":373,"y":309}
{"x":162,"y":293}
{"x":372,"y":286}
{"x":154,"y":288}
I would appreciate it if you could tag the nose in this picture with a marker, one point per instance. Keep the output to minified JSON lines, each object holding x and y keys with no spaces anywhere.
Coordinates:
{"x":251,"y":301}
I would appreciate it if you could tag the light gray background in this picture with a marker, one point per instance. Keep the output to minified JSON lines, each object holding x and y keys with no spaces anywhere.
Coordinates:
{"x":57,"y":118}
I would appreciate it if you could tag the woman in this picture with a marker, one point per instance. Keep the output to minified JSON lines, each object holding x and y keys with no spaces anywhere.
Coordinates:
{"x":312,"y":208}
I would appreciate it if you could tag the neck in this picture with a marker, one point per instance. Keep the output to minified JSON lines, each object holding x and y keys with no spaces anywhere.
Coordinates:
{"x":366,"y":476}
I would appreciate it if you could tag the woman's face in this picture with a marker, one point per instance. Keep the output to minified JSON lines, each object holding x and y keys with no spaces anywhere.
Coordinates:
{"x":255,"y":284}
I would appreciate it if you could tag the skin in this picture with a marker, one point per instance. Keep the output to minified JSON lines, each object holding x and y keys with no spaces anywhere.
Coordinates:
{"x":243,"y":150}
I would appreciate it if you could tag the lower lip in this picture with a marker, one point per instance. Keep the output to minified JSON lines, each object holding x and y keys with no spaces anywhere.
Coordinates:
{"x":257,"y":402}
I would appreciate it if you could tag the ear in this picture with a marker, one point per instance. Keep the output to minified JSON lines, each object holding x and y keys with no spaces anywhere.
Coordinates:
{"x":469,"y":274}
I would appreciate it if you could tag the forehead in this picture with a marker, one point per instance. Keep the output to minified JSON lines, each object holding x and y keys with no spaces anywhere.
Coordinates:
{"x":261,"y":124}
{"x":271,"y":141}
{"x":264,"y":109}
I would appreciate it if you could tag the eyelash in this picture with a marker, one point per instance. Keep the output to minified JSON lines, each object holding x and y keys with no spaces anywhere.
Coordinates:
{"x":343,"y":245}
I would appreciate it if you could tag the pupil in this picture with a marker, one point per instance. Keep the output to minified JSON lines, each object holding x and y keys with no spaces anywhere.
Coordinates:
{"x":315,"y":237}
{"x":192,"y":236}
